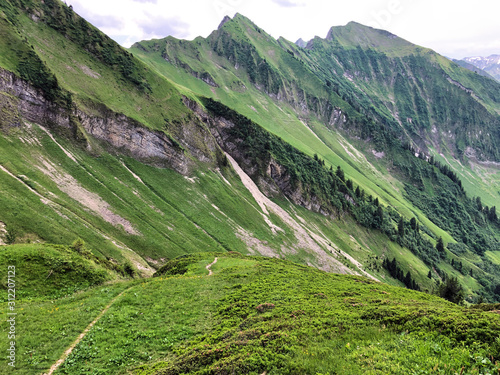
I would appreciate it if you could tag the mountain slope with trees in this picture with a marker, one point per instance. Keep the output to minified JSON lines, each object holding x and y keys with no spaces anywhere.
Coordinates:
{"x":313,"y":127}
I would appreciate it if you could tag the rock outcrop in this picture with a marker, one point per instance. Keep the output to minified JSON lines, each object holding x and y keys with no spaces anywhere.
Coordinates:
{"x":20,"y":101}
{"x":272,"y":178}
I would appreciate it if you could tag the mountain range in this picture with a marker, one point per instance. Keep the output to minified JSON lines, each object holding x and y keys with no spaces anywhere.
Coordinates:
{"x":490,"y":64}
{"x":359,"y":154}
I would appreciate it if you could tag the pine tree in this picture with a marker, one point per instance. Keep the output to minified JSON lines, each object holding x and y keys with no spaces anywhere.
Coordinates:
{"x":349,"y":185}
{"x":379,"y":217}
{"x":492,"y":215}
{"x":340,"y":173}
{"x":479,"y":204}
{"x":440,"y":245}
{"x":413,"y":223}
{"x":408,"y":280}
{"x":451,"y":290}
{"x":401,"y":227}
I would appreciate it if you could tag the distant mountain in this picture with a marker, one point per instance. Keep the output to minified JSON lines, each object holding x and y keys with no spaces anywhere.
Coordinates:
{"x":472,"y":68}
{"x":490,"y":64}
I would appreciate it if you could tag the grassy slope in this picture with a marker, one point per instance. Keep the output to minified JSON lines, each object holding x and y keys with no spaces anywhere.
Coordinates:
{"x":88,"y":79}
{"x":169,"y":216}
{"x":355,"y":34}
{"x":185,"y":215}
{"x":255,"y":315}
{"x":52,"y":271}
{"x":152,"y":206}
{"x":163,"y":215}
{"x":329,"y":145}
{"x":281,"y":120}
{"x":355,"y":157}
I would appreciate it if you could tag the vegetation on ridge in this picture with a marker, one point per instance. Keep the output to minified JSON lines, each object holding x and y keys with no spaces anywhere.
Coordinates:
{"x":258,"y":314}
{"x":434,"y":189}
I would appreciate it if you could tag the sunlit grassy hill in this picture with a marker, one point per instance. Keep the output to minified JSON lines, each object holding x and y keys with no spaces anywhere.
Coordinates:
{"x":252,"y":315}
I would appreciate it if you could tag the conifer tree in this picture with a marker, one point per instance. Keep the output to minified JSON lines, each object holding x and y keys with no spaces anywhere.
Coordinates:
{"x":401,"y":227}
{"x":440,"y":246}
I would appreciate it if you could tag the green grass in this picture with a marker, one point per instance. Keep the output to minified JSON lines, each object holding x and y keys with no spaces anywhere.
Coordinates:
{"x":174,"y":215}
{"x":494,"y":256}
{"x":50,"y":271}
{"x":93,"y":83}
{"x":282,"y":120}
{"x":171,"y":218}
{"x":480,"y":181}
{"x":45,"y":329}
{"x":283,"y":318}
{"x":378,"y":177}
{"x":252,"y":315}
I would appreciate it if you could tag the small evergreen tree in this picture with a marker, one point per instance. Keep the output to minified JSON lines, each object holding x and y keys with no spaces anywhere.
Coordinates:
{"x":401,"y":227}
{"x":340,"y":173}
{"x":413,"y":223}
{"x":451,"y":290}
{"x":349,"y":185}
{"x":440,"y":245}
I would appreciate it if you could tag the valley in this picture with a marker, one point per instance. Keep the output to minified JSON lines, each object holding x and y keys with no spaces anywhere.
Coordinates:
{"x":244,"y":204}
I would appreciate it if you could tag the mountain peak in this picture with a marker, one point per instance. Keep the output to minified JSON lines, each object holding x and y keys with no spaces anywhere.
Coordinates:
{"x":238,"y":19}
{"x":355,"y":34}
{"x":301,"y":43}
{"x":223,"y":22}
{"x":490,"y":64}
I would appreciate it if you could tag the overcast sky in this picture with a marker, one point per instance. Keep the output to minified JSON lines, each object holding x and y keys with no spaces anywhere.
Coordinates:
{"x":453,"y":28}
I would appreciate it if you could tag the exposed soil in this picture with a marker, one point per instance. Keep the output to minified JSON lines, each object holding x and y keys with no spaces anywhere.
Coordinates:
{"x":92,"y":201}
{"x":210,"y":265}
{"x":306,"y":239}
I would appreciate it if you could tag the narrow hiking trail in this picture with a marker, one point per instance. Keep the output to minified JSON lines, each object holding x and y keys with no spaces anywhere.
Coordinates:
{"x":210,"y":265}
{"x":68,"y":351}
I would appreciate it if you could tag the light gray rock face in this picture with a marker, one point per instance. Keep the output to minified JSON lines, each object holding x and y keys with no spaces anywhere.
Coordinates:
{"x":19,"y":101}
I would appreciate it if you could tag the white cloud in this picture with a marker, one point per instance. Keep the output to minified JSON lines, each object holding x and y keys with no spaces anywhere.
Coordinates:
{"x":288,"y":3}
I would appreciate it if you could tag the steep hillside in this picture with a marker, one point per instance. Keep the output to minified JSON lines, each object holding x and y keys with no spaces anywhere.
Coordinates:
{"x":359,"y":154}
{"x":139,"y":186}
{"x":91,"y":135}
{"x":222,"y":313}
{"x":357,"y":76}
{"x":472,"y":68}
{"x":368,"y":102}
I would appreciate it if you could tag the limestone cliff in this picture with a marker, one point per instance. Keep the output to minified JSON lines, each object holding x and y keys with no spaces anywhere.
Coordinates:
{"x":20,"y":101}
